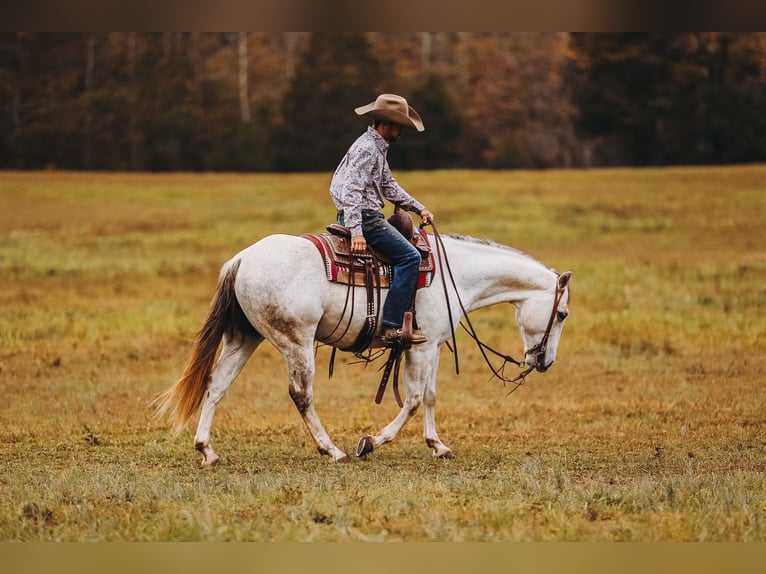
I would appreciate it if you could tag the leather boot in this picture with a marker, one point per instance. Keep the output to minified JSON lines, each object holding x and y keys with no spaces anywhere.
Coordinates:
{"x":393,"y":336}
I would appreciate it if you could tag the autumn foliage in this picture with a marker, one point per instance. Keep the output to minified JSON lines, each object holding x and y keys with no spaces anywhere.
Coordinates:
{"x":282,"y":101}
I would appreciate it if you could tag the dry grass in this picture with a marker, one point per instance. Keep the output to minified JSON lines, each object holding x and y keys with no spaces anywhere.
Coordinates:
{"x":651,"y":426}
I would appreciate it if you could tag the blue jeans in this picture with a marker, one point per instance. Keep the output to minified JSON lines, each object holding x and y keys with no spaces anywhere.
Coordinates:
{"x":386,"y":240}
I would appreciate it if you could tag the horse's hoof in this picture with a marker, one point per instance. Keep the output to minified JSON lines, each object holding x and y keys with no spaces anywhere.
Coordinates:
{"x":209,"y":460}
{"x":365,"y":446}
{"x":441,"y":451}
{"x":343,"y":460}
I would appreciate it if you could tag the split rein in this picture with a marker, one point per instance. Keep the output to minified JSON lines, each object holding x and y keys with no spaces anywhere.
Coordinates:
{"x":443,"y":261}
{"x":484,"y":349}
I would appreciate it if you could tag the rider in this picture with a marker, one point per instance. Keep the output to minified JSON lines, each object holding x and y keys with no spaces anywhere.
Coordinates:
{"x":359,"y":186}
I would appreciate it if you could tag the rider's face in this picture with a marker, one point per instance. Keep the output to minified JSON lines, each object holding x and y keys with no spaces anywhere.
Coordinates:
{"x":390,"y":131}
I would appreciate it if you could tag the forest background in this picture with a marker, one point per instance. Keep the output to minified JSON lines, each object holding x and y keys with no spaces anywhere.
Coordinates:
{"x":283,"y":101}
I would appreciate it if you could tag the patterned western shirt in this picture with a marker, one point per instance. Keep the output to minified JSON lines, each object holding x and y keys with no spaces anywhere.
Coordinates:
{"x":363,"y":179}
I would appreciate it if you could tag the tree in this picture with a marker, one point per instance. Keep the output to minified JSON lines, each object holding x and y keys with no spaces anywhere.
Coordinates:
{"x":45,"y":74}
{"x":659,"y":99}
{"x":514,"y":109}
{"x":244,"y":97}
{"x":181,"y":101}
{"x":338,"y":72}
{"x":733,"y":96}
{"x":436,"y":147}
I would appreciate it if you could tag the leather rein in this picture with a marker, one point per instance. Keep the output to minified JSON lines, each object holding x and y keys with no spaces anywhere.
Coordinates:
{"x":538,"y":350}
{"x":394,"y":360}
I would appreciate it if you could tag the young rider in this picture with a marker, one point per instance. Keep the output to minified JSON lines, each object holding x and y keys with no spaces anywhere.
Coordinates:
{"x":359,"y":186}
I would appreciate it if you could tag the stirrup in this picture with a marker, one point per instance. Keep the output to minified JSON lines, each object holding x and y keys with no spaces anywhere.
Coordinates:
{"x":392,"y":337}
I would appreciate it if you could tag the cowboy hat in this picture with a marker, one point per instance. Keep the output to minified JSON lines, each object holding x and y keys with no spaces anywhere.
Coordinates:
{"x":392,"y":108}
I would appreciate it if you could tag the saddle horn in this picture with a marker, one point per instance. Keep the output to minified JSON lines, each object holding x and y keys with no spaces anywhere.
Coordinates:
{"x":402,"y":221}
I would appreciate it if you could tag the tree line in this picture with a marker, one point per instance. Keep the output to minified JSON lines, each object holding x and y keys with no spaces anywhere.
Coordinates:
{"x":284,"y":101}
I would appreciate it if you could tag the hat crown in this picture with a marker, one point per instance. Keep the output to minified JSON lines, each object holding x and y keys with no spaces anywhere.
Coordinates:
{"x":392,"y":102}
{"x":393,"y":108}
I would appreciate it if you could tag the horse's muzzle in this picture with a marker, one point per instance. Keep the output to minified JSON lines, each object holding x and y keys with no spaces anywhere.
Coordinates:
{"x":541,"y":368}
{"x":536,"y":360}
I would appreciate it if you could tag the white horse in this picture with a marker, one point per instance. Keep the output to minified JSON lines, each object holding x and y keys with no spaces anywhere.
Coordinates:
{"x":277,"y":290}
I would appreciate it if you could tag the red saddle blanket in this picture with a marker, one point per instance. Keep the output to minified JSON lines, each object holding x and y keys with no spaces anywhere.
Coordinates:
{"x":343,"y":267}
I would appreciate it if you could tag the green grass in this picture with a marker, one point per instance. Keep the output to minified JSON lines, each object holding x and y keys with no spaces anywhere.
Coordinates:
{"x":650,"y":427}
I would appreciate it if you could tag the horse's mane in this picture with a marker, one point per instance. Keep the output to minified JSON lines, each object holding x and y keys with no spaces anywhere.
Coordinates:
{"x":491,"y":243}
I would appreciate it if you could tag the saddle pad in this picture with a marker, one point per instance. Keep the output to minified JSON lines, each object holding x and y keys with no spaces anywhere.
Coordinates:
{"x":340,"y":263}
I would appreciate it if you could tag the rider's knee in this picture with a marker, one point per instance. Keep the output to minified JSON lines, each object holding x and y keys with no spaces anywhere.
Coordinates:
{"x":413,"y":258}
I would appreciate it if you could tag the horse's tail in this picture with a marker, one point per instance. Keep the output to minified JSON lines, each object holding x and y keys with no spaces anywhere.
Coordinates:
{"x":184,"y":398}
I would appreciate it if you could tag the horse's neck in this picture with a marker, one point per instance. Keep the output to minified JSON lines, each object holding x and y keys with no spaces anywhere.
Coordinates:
{"x":489,"y":273}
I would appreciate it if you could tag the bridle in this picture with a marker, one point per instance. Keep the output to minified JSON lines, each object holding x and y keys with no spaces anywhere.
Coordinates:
{"x":538,"y":351}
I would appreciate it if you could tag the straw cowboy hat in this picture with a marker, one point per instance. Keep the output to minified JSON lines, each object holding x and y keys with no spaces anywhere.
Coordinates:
{"x":392,"y":108}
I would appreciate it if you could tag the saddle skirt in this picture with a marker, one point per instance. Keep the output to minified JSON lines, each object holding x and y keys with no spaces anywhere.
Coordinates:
{"x":344,"y":267}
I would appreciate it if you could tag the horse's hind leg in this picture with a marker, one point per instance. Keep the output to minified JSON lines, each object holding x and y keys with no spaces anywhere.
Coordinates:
{"x":300,"y":365}
{"x":234,"y":355}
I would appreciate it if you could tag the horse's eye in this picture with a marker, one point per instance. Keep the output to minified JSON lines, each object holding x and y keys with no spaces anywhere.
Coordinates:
{"x":561,"y":315}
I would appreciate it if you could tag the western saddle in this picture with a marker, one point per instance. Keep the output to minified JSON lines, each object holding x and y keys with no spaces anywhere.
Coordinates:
{"x":373,"y":271}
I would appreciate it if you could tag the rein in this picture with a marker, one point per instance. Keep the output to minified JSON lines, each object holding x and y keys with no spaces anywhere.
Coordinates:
{"x":394,"y":360}
{"x":538,"y":350}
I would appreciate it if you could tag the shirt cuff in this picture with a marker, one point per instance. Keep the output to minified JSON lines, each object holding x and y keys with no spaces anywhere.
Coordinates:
{"x":417,"y":207}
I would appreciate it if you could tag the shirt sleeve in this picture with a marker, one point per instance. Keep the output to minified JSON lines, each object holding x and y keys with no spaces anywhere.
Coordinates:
{"x":354,"y":178}
{"x":395,"y":193}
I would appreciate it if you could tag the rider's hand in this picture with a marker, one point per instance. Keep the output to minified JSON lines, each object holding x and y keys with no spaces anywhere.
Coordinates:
{"x":358,"y":244}
{"x":426,"y":217}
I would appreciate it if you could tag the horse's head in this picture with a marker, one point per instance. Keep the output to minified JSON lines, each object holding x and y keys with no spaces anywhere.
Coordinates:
{"x":541,"y":319}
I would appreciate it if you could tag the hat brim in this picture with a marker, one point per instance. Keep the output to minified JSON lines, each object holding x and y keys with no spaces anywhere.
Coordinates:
{"x":411,"y":121}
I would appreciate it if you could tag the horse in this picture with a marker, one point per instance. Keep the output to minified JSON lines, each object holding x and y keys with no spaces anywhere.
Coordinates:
{"x":277,"y":290}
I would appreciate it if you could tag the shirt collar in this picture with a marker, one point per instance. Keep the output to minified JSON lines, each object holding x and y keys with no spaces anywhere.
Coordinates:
{"x":380,"y":142}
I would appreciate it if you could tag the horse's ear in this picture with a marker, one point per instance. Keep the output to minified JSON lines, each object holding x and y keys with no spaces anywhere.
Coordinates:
{"x":564,"y":279}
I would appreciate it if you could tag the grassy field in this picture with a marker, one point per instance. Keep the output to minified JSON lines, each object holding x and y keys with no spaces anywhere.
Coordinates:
{"x":650,"y":427}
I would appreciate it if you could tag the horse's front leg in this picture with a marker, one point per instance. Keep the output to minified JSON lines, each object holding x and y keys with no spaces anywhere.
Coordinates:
{"x":234,"y":355}
{"x":300,"y":365}
{"x":419,"y":367}
{"x":440,"y":450}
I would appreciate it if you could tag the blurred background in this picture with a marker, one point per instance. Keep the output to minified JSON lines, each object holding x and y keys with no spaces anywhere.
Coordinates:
{"x":284,"y":101}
